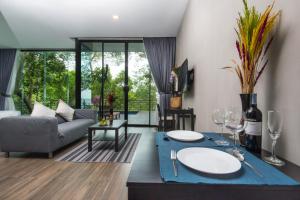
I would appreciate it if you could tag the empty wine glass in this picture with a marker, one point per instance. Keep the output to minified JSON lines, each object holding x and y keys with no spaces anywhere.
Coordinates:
{"x":218,"y":118}
{"x":275,"y":123}
{"x":233,"y":118}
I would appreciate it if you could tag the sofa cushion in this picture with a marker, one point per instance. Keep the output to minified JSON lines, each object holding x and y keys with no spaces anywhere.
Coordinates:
{"x":85,"y":114}
{"x":65,"y":111}
{"x":9,"y":113}
{"x":74,"y":130}
{"x":60,"y":119}
{"x":39,"y":110}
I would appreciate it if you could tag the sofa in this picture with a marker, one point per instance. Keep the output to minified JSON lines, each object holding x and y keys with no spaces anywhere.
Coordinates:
{"x":43,"y":134}
{"x":9,"y":113}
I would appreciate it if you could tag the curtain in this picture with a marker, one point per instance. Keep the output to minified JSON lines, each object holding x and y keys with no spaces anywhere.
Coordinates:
{"x":9,"y":102}
{"x":7,"y":60}
{"x":161,"y":57}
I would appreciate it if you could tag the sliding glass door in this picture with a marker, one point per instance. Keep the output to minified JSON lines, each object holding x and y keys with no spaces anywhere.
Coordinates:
{"x":91,"y":65}
{"x":102,"y":63}
{"x":142,"y":93}
{"x":123,"y":68}
{"x":114,"y":59}
{"x":47,"y":76}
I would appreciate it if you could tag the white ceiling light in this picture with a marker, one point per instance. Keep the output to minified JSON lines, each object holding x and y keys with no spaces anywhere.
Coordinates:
{"x":115,"y":17}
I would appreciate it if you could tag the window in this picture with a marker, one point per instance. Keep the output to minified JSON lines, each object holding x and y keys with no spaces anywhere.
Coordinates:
{"x":46,"y":77}
{"x":142,"y":93}
{"x":123,"y":63}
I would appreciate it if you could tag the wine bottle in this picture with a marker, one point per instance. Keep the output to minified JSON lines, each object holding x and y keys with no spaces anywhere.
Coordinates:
{"x":253,"y":129}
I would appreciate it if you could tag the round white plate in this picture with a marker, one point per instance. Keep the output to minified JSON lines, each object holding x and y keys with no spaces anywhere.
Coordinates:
{"x":210,"y":161}
{"x":186,"y":136}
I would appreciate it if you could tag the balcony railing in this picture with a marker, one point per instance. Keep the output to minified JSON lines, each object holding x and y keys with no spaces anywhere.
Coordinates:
{"x":133,"y":105}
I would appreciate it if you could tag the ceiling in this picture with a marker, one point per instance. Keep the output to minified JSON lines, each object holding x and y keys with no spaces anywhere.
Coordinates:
{"x":52,"y":23}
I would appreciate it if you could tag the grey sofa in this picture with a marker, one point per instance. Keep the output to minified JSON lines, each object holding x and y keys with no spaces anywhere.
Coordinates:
{"x":43,"y":134}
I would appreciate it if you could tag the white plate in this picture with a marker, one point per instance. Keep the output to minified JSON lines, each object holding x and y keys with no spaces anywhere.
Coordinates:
{"x":210,"y":161}
{"x":186,"y":136}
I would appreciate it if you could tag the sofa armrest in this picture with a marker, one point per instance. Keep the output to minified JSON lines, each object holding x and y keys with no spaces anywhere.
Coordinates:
{"x":28,"y":134}
{"x":85,"y":114}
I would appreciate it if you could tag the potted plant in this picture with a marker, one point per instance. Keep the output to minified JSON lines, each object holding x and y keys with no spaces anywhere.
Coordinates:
{"x":253,"y":42}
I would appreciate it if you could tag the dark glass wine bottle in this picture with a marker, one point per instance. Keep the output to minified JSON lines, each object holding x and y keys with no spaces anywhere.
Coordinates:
{"x":253,"y":129}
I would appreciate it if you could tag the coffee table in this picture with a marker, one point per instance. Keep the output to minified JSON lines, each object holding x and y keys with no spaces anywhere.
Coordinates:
{"x":116,"y":125}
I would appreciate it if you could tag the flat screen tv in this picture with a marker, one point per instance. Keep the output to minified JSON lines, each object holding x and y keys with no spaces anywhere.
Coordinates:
{"x":182,"y":73}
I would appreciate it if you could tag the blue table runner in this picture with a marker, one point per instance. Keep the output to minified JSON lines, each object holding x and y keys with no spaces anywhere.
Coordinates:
{"x":246,"y":176}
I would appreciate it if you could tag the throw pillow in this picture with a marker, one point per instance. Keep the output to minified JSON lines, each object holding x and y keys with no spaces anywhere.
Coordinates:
{"x":39,"y":110}
{"x":65,"y":111}
{"x":60,"y":119}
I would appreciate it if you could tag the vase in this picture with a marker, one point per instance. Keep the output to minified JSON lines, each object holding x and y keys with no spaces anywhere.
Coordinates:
{"x":176,"y":102}
{"x":245,"y":100}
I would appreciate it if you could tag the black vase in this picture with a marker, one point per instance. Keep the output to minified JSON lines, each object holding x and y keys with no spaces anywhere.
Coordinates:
{"x":245,"y":99}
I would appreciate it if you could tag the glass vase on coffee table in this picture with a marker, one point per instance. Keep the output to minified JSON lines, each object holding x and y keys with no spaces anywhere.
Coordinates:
{"x":233,"y":116}
{"x":275,"y":123}
{"x":218,"y":118}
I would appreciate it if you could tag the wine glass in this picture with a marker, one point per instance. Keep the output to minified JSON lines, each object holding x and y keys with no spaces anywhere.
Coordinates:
{"x":233,"y":118}
{"x":218,"y":118}
{"x":275,"y":123}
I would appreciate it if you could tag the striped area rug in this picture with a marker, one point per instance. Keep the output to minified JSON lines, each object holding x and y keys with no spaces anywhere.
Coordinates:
{"x":104,"y":151}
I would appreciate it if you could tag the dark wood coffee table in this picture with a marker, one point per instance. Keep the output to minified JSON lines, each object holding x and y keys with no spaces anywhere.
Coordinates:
{"x":116,"y":125}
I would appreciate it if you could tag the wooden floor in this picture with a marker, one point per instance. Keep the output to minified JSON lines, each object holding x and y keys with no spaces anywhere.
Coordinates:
{"x":31,"y":176}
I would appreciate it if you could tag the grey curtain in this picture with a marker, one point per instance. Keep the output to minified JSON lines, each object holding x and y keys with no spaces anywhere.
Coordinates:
{"x":161,"y":57}
{"x":9,"y":101}
{"x":7,"y":59}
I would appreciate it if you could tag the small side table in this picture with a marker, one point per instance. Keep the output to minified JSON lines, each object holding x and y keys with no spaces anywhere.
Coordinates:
{"x":116,"y":125}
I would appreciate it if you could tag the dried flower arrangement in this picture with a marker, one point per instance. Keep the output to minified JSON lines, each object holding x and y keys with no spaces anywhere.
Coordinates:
{"x":253,"y":41}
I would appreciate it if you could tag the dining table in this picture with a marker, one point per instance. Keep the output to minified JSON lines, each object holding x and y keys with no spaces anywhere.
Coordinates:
{"x":152,"y":177}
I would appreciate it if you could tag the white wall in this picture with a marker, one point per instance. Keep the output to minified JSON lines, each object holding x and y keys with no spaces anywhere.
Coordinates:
{"x":7,"y":37}
{"x":207,"y":39}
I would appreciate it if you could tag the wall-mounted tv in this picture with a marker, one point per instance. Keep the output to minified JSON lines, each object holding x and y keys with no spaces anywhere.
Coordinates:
{"x":185,"y":77}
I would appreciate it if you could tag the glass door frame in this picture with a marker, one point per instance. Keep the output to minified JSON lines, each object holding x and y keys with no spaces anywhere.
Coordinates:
{"x":78,"y":43}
